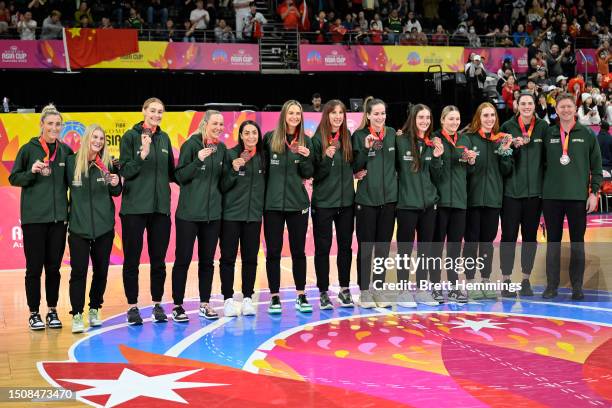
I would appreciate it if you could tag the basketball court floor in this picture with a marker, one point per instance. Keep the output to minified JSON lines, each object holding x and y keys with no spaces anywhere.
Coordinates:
{"x":528,"y":352}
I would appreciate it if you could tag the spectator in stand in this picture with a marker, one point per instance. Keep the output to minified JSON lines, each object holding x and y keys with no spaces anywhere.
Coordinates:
{"x":505,"y":67}
{"x":576,"y":87}
{"x":134,"y":20}
{"x":369,"y":7}
{"x":588,"y":113}
{"x":503,"y":38}
{"x":337,"y":32}
{"x":421,"y":37}
{"x":459,"y":37}
{"x":223,"y":33}
{"x":85,"y":23}
{"x":349,"y":22}
{"x":26,"y":27}
{"x":212,"y":12}
{"x":520,"y":37}
{"x":532,"y":88}
{"x":409,"y":38}
{"x":563,"y":39}
{"x":253,"y":27}
{"x":119,"y":9}
{"x":38,"y":9}
{"x":603,"y":57}
{"x":440,"y":37}
{"x":518,"y":10}
{"x":605,"y":145}
{"x":106,"y":24}
{"x":376,"y":30}
{"x":411,"y":21}
{"x":543,"y":111}
{"x":561,"y":82}
{"x":52,"y":27}
{"x":321,"y":28}
{"x":362,"y":22}
{"x":289,"y":14}
{"x":5,"y":17}
{"x":476,"y":75}
{"x":242,"y":10}
{"x":199,"y":17}
{"x":601,"y":103}
{"x":473,"y":39}
{"x":316,"y":104}
{"x":189,"y":32}
{"x":157,"y":13}
{"x":170,"y":34}
{"x":605,"y":35}
{"x":508,"y":94}
{"x":554,"y":58}
{"x":393,"y":27}
{"x":503,"y":77}
{"x":82,"y":11}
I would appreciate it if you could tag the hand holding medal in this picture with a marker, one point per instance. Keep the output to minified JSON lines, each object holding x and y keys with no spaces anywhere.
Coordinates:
{"x":45,"y":167}
{"x":438,"y":147}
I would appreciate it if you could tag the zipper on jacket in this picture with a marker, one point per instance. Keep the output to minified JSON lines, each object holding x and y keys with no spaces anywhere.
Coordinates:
{"x":250,"y":191}
{"x":155,"y":185}
{"x":383,"y":175}
{"x":341,"y":181}
{"x":528,"y":186}
{"x":484,"y":187}
{"x":53,"y":184}
{"x":212,"y":170}
{"x":285,"y":179}
{"x":422,"y":171}
{"x":91,"y":211}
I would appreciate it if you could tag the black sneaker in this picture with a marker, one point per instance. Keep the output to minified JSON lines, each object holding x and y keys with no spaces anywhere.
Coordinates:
{"x":35,"y":322}
{"x":302,"y":305}
{"x":208,"y":312}
{"x":133,"y":316}
{"x":325,"y":302}
{"x":53,"y":320}
{"x":507,"y":293}
{"x":438,"y":296}
{"x":549,"y":293}
{"x":345,"y":298}
{"x":158,"y":314}
{"x":526,"y":288}
{"x":577,"y":294}
{"x":179,"y":315}
{"x":275,"y":306}
{"x":457,"y":296}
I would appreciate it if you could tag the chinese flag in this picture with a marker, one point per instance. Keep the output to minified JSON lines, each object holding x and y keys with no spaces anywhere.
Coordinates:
{"x":88,"y":46}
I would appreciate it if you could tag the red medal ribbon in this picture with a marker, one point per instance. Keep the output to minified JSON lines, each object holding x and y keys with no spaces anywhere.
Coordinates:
{"x":380,"y":135}
{"x":453,"y":140}
{"x":333,"y":138}
{"x":565,"y":136}
{"x":153,"y":129}
{"x":526,"y":133}
{"x":251,"y":152}
{"x":493,"y":138}
{"x":43,"y":143}
{"x":426,"y":140}
{"x":100,"y":164}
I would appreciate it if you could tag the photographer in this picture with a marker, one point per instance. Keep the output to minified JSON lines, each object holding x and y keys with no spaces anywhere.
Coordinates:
{"x":588,"y":113}
{"x":476,"y":75}
{"x":554,"y":58}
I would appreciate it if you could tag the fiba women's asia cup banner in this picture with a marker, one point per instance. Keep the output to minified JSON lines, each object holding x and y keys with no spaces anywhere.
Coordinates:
{"x":49,"y":54}
{"x":16,"y":130}
{"x":493,"y":58}
{"x":379,"y":58}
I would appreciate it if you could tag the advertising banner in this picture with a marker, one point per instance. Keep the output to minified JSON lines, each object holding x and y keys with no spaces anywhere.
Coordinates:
{"x":493,"y":58}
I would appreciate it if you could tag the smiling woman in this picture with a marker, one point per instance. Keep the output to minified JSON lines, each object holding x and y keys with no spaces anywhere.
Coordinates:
{"x":40,"y":169}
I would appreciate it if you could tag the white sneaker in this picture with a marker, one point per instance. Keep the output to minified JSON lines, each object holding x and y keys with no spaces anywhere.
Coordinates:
{"x":366,"y":300}
{"x":381,"y":299}
{"x":77,"y":323}
{"x":425,"y":298}
{"x":229,"y":308}
{"x":95,"y":318}
{"x":247,"y":307}
{"x":406,"y":299}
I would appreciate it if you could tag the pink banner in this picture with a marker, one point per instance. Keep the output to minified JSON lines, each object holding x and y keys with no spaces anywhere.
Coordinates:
{"x":44,"y":54}
{"x":329,"y":58}
{"x":590,"y":65}
{"x":228,"y":57}
{"x":494,"y":57}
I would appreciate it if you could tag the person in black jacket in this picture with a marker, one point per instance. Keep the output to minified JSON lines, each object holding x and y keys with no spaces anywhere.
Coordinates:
{"x":288,"y":151}
{"x":147,"y":167}
{"x":332,"y":200}
{"x":93,"y":184}
{"x":244,"y":187}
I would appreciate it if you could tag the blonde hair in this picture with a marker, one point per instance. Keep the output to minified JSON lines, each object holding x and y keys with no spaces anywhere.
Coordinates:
{"x":205,"y":119}
{"x":49,"y":110}
{"x":448,"y":109}
{"x":368,"y":104}
{"x":280,"y":133}
{"x":82,"y":157}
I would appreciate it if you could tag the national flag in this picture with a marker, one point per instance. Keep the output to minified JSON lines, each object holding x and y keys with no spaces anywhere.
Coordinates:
{"x":305,"y":23}
{"x":89,"y":46}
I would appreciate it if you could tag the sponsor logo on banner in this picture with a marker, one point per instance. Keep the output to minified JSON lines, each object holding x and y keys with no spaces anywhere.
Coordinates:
{"x":72,"y":133}
{"x":314,"y":57}
{"x":14,"y":55}
{"x":334,"y":59}
{"x":241,"y":58}
{"x":17,"y":236}
{"x":414,"y":58}
{"x":219,"y":57}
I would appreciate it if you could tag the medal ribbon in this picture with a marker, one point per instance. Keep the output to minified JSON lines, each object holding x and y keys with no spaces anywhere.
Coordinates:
{"x":251,"y":152}
{"x":100,"y":164}
{"x":380,"y":135}
{"x":426,"y":140}
{"x":493,"y":138}
{"x":210,"y":141}
{"x":565,"y":137}
{"x":43,"y":143}
{"x":333,"y":138}
{"x":294,"y":142}
{"x":153,"y":129}
{"x":522,"y":125}
{"x":453,"y":140}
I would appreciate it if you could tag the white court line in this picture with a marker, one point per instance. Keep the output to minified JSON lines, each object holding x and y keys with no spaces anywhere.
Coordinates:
{"x":184,"y":344}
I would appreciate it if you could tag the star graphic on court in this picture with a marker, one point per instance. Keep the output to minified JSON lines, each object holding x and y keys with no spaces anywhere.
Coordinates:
{"x":476,"y":325}
{"x":75,"y":32}
{"x":132,"y":384}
